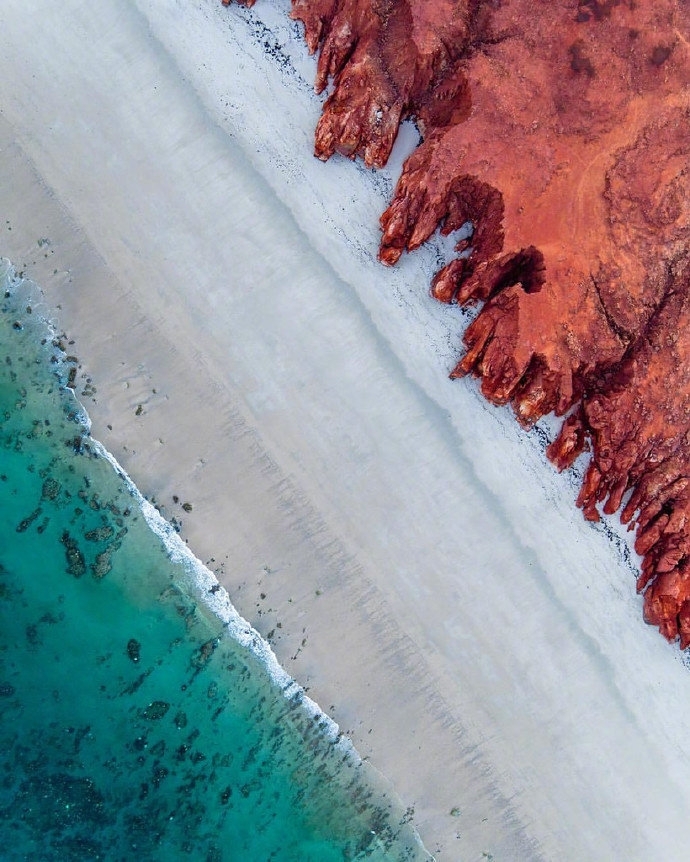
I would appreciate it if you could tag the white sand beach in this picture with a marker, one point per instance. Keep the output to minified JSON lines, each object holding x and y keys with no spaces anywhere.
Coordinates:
{"x":413,"y":558}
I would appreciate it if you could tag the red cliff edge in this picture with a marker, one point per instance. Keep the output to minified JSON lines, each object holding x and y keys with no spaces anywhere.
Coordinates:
{"x":561,"y":130}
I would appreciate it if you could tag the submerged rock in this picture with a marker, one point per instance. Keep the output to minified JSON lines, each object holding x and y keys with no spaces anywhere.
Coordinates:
{"x":101,"y":566}
{"x":24,"y":525}
{"x":133,"y":650}
{"x":50,"y":490}
{"x":155,"y":710}
{"x":99,"y":534}
{"x":76,"y":565}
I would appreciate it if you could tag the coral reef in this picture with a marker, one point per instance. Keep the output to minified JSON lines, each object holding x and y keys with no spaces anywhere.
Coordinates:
{"x":561,"y":133}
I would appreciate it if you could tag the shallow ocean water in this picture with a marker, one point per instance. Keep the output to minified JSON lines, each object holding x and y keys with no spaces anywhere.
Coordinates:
{"x":140,"y":716}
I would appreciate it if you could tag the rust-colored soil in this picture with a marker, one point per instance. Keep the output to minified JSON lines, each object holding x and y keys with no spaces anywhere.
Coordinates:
{"x":561,"y":131}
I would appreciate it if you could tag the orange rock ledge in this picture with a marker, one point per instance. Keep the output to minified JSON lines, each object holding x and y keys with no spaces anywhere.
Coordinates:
{"x":561,"y":131}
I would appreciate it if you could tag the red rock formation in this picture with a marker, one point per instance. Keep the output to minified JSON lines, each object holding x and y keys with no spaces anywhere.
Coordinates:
{"x":560,"y":130}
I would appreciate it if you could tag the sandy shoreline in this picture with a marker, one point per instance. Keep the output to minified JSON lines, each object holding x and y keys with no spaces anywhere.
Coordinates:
{"x":330,"y":493}
{"x":262,"y":531}
{"x":333,"y":620}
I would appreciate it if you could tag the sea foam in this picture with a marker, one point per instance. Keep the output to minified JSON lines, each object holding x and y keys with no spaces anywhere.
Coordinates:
{"x":143,"y":717}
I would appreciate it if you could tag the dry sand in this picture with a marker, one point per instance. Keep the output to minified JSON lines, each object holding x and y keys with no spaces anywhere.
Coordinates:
{"x":328,"y":492}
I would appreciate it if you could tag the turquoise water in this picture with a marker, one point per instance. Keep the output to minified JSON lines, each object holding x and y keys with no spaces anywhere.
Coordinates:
{"x":141,"y":718}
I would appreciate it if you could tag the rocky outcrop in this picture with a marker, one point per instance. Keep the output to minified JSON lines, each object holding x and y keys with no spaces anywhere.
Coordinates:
{"x":561,"y":132}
